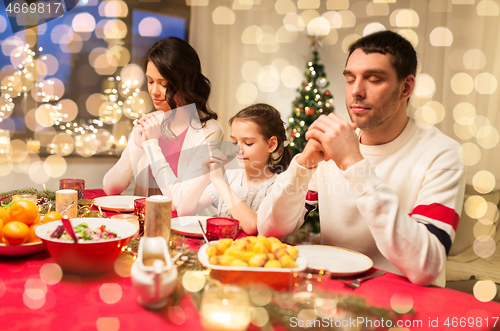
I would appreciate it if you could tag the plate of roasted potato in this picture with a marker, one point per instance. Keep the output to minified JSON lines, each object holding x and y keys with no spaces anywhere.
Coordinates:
{"x":254,"y":254}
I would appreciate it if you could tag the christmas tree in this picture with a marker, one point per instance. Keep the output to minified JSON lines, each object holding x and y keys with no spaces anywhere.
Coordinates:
{"x":313,"y":100}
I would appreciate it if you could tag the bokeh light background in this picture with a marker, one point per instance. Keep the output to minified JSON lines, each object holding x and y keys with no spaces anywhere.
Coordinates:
{"x":73,"y":86}
{"x":78,"y":86}
{"x":80,"y":93}
{"x":258,"y":49}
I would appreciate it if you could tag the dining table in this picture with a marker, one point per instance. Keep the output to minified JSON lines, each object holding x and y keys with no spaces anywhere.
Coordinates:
{"x":108,"y":301}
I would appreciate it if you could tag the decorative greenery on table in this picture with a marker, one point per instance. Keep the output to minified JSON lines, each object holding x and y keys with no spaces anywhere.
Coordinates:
{"x":281,"y":306}
{"x":47,"y":201}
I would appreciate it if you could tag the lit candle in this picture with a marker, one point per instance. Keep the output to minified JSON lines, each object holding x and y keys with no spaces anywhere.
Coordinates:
{"x":225,"y":308}
{"x":64,"y":199}
{"x":158,"y":217}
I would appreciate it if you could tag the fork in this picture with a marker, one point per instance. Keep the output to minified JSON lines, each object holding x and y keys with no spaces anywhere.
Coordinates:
{"x":355,"y":283}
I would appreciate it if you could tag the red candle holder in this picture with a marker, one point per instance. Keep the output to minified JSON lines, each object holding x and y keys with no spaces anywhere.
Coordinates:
{"x":73,"y":184}
{"x":140,"y":212}
{"x":222,"y":227}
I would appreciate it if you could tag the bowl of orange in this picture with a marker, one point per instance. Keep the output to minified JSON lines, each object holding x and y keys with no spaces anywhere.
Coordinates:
{"x":18,"y":224}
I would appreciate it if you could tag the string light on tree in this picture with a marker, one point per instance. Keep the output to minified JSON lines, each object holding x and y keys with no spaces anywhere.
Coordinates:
{"x":313,"y":100}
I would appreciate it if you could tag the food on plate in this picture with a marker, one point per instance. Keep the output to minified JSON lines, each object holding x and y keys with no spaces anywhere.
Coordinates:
{"x":52,"y":216}
{"x":83,"y":233}
{"x":15,"y":233}
{"x":24,"y":211}
{"x":253,"y":252}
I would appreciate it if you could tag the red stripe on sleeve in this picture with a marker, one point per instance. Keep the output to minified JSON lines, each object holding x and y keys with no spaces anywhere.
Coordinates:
{"x":438,"y":212}
{"x":312,"y":196}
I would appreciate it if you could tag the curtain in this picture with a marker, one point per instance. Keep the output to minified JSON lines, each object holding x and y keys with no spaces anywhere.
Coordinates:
{"x":257,"y":51}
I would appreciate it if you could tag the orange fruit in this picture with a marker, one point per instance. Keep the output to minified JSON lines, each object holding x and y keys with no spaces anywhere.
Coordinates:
{"x":5,"y":214}
{"x":52,"y":216}
{"x":1,"y":227}
{"x":23,"y":211}
{"x":15,"y":232}
{"x":32,"y":237}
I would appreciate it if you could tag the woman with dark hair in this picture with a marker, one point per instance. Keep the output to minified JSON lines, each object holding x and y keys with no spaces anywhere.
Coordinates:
{"x":165,"y":148}
{"x":261,"y":148}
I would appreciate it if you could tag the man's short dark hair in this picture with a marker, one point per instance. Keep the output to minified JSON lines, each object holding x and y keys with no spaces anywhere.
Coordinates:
{"x":404,"y":57}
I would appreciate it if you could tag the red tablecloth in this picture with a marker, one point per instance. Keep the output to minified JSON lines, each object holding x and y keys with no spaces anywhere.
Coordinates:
{"x":108,"y":301}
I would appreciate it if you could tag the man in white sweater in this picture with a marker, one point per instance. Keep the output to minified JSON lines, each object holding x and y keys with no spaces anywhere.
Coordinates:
{"x":384,"y":186}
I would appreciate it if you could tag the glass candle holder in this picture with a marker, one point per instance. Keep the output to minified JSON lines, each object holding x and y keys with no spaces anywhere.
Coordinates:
{"x":222,"y":227}
{"x":132,"y":219}
{"x":73,"y":184}
{"x":225,"y":308}
{"x":140,"y":212}
{"x":29,"y":197}
{"x":311,"y":290}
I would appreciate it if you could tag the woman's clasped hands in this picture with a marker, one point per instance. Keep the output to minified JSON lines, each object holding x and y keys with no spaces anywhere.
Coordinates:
{"x":147,"y":127}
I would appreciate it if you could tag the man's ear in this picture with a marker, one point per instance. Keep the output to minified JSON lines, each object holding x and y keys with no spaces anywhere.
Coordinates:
{"x":408,"y":87}
{"x":273,"y":144}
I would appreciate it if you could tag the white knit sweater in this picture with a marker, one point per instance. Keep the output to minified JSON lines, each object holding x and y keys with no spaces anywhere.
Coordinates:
{"x":399,"y":206}
{"x":134,"y":163}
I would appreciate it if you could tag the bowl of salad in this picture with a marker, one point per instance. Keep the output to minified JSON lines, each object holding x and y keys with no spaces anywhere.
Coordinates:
{"x":100,"y":242}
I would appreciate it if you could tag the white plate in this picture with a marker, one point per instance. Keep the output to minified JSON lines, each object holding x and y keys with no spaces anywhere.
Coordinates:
{"x":188,"y":225}
{"x":339,"y":261}
{"x":203,"y":258}
{"x":20,"y":250}
{"x":119,"y":203}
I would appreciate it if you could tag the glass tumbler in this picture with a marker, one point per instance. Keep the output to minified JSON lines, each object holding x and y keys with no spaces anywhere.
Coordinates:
{"x":73,"y":184}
